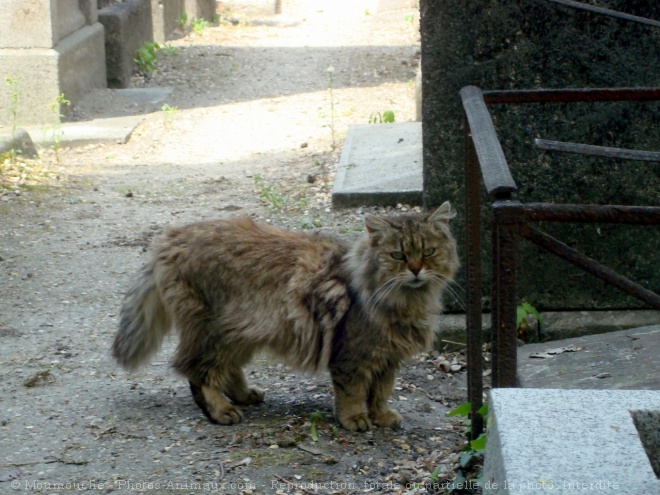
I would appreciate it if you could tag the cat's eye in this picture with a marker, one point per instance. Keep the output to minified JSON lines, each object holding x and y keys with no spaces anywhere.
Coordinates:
{"x":397,"y":255}
{"x":428,"y":252}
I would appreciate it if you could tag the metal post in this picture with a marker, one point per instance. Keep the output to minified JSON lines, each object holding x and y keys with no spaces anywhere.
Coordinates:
{"x":504,"y":333}
{"x":474,"y":285}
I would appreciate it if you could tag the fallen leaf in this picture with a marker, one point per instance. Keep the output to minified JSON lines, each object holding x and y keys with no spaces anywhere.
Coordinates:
{"x":309,"y":449}
{"x":554,"y":352}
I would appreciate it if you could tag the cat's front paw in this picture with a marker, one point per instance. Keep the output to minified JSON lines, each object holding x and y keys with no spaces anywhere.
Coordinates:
{"x":388,"y":418}
{"x":359,"y":422}
{"x":226,"y":415}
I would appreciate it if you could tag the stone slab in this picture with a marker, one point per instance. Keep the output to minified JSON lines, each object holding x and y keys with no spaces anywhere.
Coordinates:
{"x":544,"y":441}
{"x":627,"y":359}
{"x":111,"y":130}
{"x":381,"y":164}
{"x":144,"y":96}
{"x":115,"y":127}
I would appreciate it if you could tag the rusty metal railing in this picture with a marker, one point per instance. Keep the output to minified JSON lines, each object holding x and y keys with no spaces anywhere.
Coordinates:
{"x":512,"y":219}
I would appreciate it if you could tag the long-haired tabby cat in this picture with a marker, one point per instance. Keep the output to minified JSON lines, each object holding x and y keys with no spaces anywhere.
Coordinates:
{"x":234,"y":287}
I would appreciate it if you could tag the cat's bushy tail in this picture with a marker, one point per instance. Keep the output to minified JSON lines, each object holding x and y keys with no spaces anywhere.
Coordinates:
{"x":143,"y":322}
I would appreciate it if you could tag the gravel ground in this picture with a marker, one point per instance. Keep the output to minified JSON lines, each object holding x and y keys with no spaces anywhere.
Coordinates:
{"x":252,"y":134}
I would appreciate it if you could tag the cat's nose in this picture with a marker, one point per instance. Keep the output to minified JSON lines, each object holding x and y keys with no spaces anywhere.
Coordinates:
{"x":415,"y":268}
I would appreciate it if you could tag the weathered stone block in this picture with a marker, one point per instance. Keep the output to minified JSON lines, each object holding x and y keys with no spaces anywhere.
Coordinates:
{"x":27,"y":24}
{"x":42,"y":23}
{"x":72,"y":68}
{"x":128,"y":26}
{"x":49,"y":47}
{"x":529,"y":44}
{"x":165,"y":15}
{"x":200,"y":9}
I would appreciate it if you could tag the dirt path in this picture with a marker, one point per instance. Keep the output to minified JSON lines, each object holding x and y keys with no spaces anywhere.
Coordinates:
{"x":251,"y":135}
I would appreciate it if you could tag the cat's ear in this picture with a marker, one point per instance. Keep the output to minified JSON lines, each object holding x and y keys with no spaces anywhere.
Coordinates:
{"x":443,"y":214}
{"x":375,"y":224}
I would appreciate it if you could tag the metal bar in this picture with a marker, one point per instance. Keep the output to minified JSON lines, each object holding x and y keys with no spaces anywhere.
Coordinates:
{"x":516,"y":212}
{"x":494,"y":169}
{"x":571,"y":95}
{"x":589,"y":265}
{"x":474,"y":284}
{"x":612,"y":13}
{"x":504,"y":346}
{"x":588,"y":149}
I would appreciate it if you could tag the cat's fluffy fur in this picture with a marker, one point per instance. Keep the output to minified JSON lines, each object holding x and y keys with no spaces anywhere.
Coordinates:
{"x":234,"y":287}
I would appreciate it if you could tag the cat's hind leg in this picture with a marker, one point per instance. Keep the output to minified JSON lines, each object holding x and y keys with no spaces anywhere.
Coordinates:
{"x":215,"y":405}
{"x":209,"y":380}
{"x":238,"y":390}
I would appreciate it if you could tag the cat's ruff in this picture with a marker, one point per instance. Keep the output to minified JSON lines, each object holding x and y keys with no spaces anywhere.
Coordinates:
{"x":234,"y":287}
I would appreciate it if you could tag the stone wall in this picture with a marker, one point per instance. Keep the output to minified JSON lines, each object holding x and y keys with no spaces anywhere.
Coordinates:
{"x":540,"y":44}
{"x":49,"y":48}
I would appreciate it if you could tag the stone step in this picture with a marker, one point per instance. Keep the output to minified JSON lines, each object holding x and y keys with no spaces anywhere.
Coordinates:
{"x":543,"y":441}
{"x":587,"y":421}
{"x":380,"y":165}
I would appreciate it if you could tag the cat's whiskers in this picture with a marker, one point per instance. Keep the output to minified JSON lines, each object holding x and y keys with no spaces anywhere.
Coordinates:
{"x":383,"y":291}
{"x":447,"y":283}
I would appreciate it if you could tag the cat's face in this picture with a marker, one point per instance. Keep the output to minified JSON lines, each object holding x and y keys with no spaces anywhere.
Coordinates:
{"x":412,"y":252}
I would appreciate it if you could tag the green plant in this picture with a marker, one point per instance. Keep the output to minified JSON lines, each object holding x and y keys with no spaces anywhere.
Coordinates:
{"x":170,"y":50}
{"x":386,"y":118}
{"x":182,"y":21}
{"x":146,"y":57}
{"x":471,"y":457}
{"x":317,"y":419}
{"x":56,"y":127}
{"x":524,"y":313}
{"x":269,"y":193}
{"x":169,"y":114}
{"x":199,"y":25}
{"x":331,"y":71}
{"x":12,"y":110}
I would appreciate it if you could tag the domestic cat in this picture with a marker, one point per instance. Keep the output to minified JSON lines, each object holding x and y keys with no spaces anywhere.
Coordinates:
{"x":234,"y":287}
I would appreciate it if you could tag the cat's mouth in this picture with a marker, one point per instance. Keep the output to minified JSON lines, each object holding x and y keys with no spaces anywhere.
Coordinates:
{"x":416,"y":283}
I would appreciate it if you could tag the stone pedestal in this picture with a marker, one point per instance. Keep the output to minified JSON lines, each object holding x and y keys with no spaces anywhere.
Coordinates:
{"x":49,"y":47}
{"x":165,"y":17}
{"x":128,"y":26}
{"x":200,"y":9}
